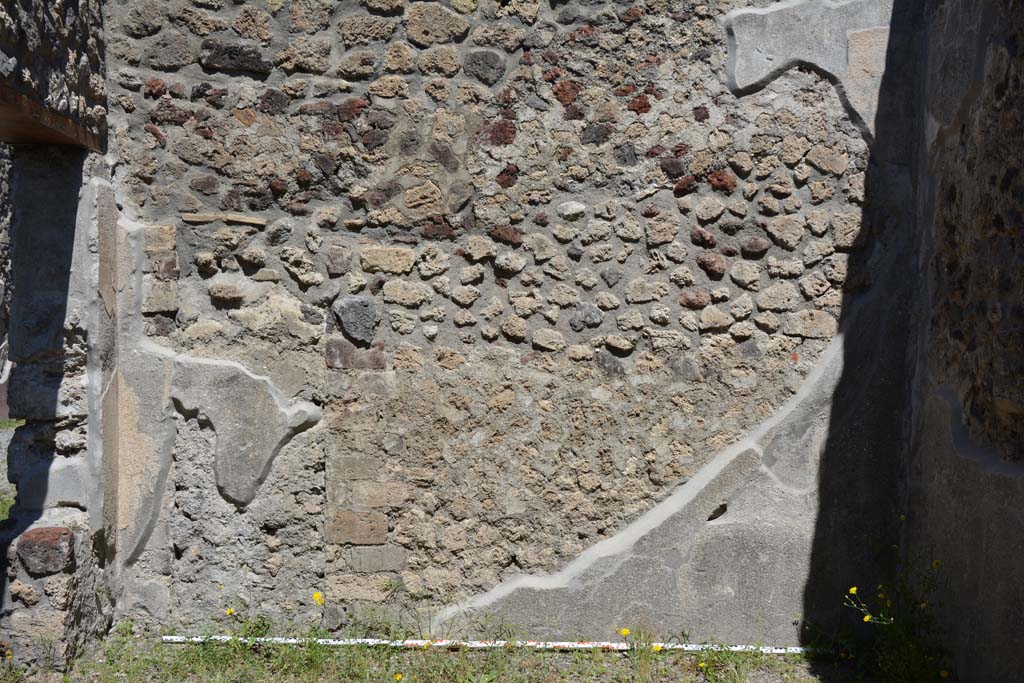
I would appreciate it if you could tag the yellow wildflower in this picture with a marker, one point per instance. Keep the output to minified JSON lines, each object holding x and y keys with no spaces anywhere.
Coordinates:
{"x":624,"y":632}
{"x":702,"y":665}
{"x":229,"y":611}
{"x":943,"y":674}
{"x":656,"y":648}
{"x":936,"y":564}
{"x":867,"y":618}
{"x":318,"y":598}
{"x":398,"y":677}
{"x":853,"y":590}
{"x":924,"y":605}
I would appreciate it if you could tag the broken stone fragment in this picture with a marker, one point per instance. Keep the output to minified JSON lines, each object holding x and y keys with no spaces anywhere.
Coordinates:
{"x":786,"y":231}
{"x":365,"y":29}
{"x":465,"y":295}
{"x":571,"y":211}
{"x":358,"y":317}
{"x":714,"y":319}
{"x":810,"y":324}
{"x":713,"y":264}
{"x":480,"y":248}
{"x":509,"y":263}
{"x":427,"y":23}
{"x":709,"y":210}
{"x":755,"y":247}
{"x":514,"y":328}
{"x":394,"y":260}
{"x":620,"y":344}
{"x":47,"y":550}
{"x":485,"y":65}
{"x":548,"y":340}
{"x":226,"y":294}
{"x":307,"y":55}
{"x":782,"y":296}
{"x":216,"y":55}
{"x":586,"y":315}
{"x":404,"y":293}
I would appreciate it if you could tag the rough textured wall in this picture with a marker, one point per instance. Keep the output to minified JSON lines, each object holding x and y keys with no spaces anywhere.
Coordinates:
{"x":978,"y":322}
{"x":534,"y":264}
{"x":966,"y":479}
{"x":52,"y":53}
{"x":49,"y":602}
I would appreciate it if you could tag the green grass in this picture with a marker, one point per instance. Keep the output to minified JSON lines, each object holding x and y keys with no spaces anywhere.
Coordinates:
{"x":127,"y":657}
{"x":8,"y":425}
{"x":6,"y":503}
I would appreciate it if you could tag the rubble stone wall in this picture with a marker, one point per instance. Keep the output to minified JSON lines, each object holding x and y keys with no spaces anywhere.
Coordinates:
{"x":966,"y":480}
{"x":52,"y":53}
{"x":533,"y":264}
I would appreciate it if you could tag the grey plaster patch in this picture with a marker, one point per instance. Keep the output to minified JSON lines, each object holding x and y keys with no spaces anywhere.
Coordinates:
{"x":250,"y":433}
{"x":766,"y":42}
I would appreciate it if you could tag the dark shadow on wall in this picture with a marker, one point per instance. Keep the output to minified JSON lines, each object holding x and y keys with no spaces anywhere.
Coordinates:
{"x":48,"y":358}
{"x":857,"y":530}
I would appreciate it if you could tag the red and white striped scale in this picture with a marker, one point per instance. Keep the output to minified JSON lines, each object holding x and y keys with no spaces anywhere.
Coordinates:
{"x":413,"y":644}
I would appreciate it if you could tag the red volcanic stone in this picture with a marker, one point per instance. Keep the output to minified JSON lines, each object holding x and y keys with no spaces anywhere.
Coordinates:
{"x":47,"y":550}
{"x":685,"y":186}
{"x":541,"y":218}
{"x":649,"y":211}
{"x":722,"y":181}
{"x":631,"y":16}
{"x":640,"y":104}
{"x":574,"y":112}
{"x":154,"y":87}
{"x":712,"y":264}
{"x":552,"y":74}
{"x":701,"y":113}
{"x":351,"y":108}
{"x":502,"y":132}
{"x":703,"y":238}
{"x":755,"y":247}
{"x":303,"y":177}
{"x":157,"y":134}
{"x":278,"y":186}
{"x":273,"y":101}
{"x":165,"y":112}
{"x":508,"y":177}
{"x":437,"y":228}
{"x":672,"y":167}
{"x":507,"y":235}
{"x":695,"y":298}
{"x":566,"y":92}
{"x":655,"y":151}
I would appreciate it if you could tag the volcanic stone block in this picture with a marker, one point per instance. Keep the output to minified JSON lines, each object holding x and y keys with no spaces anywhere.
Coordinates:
{"x":357,"y":528}
{"x":358,"y":317}
{"x":47,"y":550}
{"x":486,"y":66}
{"x":219,"y":56}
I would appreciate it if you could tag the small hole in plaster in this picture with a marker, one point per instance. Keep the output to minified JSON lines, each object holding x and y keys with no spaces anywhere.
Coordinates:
{"x":718,"y":512}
